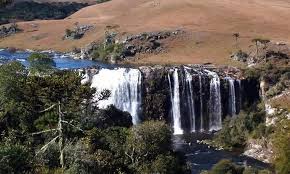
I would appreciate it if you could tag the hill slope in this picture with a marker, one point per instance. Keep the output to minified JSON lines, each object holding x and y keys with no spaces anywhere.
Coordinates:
{"x":209,"y":25}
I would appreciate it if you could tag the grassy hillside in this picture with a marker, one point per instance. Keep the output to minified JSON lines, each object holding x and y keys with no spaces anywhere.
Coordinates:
{"x":209,"y":25}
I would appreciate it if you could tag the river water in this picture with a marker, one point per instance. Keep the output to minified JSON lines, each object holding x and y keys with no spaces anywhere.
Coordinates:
{"x":63,"y":61}
{"x":202,"y":157}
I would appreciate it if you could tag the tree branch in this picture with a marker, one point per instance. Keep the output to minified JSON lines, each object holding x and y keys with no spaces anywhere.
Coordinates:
{"x":43,"y":149}
{"x":72,"y":125}
{"x":45,"y":131}
{"x":45,"y":110}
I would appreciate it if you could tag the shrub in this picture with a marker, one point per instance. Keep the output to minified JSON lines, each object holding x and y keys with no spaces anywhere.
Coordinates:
{"x":41,"y":63}
{"x":236,"y":131}
{"x":14,"y":159}
{"x":225,"y":167}
{"x":281,"y":141}
{"x":34,"y":10}
{"x":101,"y":1}
{"x":108,"y":52}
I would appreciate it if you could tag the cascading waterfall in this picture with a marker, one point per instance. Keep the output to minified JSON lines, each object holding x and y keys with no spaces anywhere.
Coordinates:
{"x":232,"y":97}
{"x":240,"y":95}
{"x":215,"y":117}
{"x":201,"y":103}
{"x":125,"y":86}
{"x":191,"y":108}
{"x":190,"y":100}
{"x":175,"y":101}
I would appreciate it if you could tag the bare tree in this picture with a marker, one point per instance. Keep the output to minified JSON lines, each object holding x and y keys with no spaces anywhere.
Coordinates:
{"x":59,"y":131}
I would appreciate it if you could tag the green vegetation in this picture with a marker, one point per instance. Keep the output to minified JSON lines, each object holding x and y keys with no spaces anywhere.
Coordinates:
{"x":48,"y":126}
{"x":276,"y":76}
{"x":41,"y":63}
{"x":109,"y":50}
{"x":251,"y":123}
{"x":281,"y":141}
{"x":236,"y":131}
{"x":14,"y":158}
{"x":227,"y":167}
{"x":32,"y":10}
{"x":101,"y":1}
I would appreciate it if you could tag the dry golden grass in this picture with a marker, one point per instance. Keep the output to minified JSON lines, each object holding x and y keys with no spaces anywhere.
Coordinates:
{"x":209,"y":25}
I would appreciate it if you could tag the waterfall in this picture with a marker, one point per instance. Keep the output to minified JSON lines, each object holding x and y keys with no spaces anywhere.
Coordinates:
{"x":190,"y":100}
{"x":215,"y":117}
{"x":175,"y":102}
{"x":125,"y":86}
{"x":240,"y":96}
{"x":201,"y":103}
{"x":232,"y":97}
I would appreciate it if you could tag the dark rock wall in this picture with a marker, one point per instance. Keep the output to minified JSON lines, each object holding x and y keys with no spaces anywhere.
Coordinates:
{"x":156,"y":96}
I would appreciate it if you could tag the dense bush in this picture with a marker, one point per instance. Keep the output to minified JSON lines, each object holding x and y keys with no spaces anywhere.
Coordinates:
{"x":236,"y":131}
{"x":108,"y":52}
{"x":46,"y":123}
{"x":32,"y":10}
{"x":41,"y":63}
{"x":228,"y":167}
{"x":281,"y":142}
{"x":101,"y":1}
{"x":14,"y":159}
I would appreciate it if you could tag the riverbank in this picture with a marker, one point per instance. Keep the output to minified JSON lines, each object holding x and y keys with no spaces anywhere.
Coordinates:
{"x":203,"y":157}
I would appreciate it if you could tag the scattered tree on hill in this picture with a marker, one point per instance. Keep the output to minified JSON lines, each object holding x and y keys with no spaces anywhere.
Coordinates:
{"x":236,"y":36}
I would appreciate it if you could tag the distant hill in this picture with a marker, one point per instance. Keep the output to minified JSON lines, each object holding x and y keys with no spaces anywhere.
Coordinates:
{"x":29,"y":10}
{"x":210,"y":25}
{"x":44,"y":1}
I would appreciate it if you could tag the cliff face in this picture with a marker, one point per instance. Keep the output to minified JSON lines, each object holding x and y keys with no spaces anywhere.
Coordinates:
{"x":190,"y":98}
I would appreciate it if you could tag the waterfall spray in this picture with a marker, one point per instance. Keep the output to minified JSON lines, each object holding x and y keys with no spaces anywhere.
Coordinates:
{"x":232,"y":97}
{"x":190,"y":100}
{"x":215,"y":118}
{"x":125,"y":87}
{"x":175,"y":101}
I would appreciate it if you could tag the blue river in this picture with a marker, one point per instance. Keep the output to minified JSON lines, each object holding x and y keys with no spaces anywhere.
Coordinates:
{"x":63,"y":61}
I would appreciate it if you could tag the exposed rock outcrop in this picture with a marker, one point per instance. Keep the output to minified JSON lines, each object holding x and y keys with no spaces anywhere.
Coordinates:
{"x":260,"y":149}
{"x":144,"y":43}
{"x":263,"y":53}
{"x":9,"y":30}
{"x":78,"y":32}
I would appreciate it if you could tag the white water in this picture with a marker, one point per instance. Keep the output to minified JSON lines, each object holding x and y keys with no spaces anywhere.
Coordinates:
{"x":190,"y":100}
{"x":201,"y":104}
{"x":175,"y":101}
{"x":232,"y":97}
{"x":240,"y":95}
{"x":125,"y":87}
{"x":215,"y":118}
